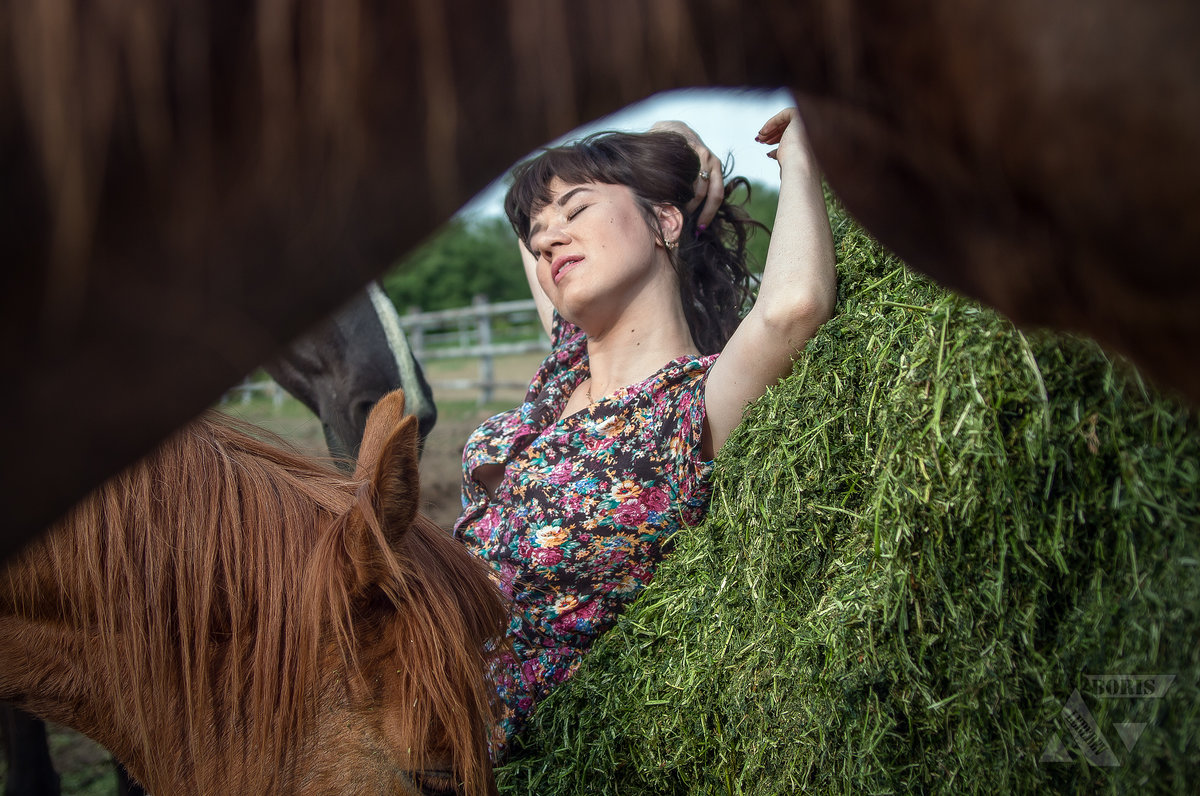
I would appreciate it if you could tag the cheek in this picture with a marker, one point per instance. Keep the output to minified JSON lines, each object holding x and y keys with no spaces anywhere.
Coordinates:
{"x":543,"y":276}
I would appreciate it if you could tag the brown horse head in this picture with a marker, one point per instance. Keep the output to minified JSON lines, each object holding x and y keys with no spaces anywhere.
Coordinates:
{"x":228,"y":616}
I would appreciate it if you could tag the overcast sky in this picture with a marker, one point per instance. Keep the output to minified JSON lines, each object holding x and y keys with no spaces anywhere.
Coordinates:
{"x":726,"y":120}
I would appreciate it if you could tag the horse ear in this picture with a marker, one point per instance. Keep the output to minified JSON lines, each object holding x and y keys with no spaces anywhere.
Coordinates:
{"x":388,"y":502}
{"x":396,"y":480}
{"x":384,"y":417}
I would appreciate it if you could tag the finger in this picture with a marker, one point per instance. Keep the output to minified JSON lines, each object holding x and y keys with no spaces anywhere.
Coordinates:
{"x":772,"y":130}
{"x":700,"y":186}
{"x":714,"y":197}
{"x":779,"y":120}
{"x":709,"y":166}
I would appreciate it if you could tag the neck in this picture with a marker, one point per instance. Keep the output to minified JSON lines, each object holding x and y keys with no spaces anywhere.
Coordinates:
{"x":630,"y":351}
{"x":635,"y":330}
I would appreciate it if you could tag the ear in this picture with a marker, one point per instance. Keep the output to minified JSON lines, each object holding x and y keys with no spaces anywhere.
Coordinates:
{"x":387,"y":507}
{"x":384,"y":417}
{"x":397,"y":480}
{"x":670,"y":221}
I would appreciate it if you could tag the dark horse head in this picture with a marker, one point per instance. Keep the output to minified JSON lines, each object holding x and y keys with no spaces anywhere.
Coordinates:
{"x":347,"y":364}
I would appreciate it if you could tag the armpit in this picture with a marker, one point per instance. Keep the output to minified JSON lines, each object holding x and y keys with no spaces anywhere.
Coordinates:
{"x":489,"y":476}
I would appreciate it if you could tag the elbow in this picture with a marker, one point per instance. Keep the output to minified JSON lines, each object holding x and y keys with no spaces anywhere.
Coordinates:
{"x":797,"y":320}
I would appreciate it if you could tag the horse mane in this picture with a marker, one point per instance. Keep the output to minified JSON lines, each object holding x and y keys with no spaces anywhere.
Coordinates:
{"x":212,"y":574}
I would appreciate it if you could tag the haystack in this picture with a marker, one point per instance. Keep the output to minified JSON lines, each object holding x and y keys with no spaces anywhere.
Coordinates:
{"x":944,"y":556}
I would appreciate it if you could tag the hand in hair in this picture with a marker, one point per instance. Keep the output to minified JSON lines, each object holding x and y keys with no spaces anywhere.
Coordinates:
{"x":711,"y":191}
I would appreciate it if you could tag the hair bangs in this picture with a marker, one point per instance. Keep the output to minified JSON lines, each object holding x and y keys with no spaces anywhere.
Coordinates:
{"x":610,"y":158}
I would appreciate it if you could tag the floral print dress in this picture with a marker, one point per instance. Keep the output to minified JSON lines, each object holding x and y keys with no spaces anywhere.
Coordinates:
{"x":585,"y":510}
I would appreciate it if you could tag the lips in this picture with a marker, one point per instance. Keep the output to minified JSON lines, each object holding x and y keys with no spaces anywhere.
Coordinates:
{"x":563,"y":264}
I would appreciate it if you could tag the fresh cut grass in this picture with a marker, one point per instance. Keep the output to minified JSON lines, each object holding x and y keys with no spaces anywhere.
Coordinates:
{"x":921,"y":545}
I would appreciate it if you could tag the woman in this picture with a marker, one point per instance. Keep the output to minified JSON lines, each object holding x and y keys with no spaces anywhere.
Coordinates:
{"x":573,"y":497}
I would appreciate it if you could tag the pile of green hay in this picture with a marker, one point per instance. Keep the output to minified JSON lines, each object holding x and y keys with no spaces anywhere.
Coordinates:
{"x":920,"y":545}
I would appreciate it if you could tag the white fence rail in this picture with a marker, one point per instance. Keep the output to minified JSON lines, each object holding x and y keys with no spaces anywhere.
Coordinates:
{"x":470,"y":333}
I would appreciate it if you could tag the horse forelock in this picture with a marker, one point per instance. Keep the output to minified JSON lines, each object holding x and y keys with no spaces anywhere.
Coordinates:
{"x":448,"y":618}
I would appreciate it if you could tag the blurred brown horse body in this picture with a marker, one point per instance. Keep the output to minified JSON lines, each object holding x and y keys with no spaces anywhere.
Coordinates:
{"x":187,"y":186}
{"x":229,"y":617}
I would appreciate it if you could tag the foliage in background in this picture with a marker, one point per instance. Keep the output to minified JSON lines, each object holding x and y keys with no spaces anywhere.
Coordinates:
{"x":465,"y":258}
{"x":472,"y":256}
{"x":920,"y":545}
{"x":761,"y":206}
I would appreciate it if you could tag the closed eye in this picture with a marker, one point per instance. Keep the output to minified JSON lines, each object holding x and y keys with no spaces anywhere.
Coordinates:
{"x":576,"y":212}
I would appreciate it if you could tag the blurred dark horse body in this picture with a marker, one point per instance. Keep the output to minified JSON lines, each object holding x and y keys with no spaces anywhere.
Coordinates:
{"x":339,"y":371}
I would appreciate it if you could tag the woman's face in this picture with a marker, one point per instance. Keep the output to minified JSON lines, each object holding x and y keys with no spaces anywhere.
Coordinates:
{"x":595,"y":248}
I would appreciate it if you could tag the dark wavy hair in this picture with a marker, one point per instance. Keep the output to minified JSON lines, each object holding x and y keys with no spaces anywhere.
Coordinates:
{"x":715,"y":283}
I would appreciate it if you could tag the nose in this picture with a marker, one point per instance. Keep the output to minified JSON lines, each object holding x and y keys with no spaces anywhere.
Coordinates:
{"x":549,"y":236}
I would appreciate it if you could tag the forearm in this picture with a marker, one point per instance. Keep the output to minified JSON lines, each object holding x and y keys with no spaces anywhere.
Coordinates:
{"x":545,"y":308}
{"x":799,"y":280}
{"x":797,"y":295}
{"x":797,"y":292}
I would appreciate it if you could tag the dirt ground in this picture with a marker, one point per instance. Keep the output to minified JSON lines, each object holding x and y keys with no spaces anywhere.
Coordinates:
{"x":441,"y":467}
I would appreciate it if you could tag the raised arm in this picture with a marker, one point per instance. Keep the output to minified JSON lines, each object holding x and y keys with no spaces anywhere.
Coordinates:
{"x":797,"y":292}
{"x":545,"y":309}
{"x":710,"y":185}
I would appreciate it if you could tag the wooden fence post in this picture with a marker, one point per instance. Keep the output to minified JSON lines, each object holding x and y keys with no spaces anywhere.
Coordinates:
{"x":487,"y":365}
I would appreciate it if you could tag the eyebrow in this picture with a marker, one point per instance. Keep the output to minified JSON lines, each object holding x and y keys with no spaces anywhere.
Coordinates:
{"x":561,"y":202}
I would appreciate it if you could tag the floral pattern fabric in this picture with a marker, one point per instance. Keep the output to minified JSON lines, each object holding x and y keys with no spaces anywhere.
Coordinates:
{"x":585,"y":510}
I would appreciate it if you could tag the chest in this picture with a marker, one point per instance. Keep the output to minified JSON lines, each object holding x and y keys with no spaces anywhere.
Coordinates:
{"x":589,"y":456}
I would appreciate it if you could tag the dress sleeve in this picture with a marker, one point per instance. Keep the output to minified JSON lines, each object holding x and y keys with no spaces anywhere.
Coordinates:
{"x":693,"y":414}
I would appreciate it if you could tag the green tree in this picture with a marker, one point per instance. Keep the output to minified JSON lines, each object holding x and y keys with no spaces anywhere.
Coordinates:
{"x":761,"y":206}
{"x":465,"y":258}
